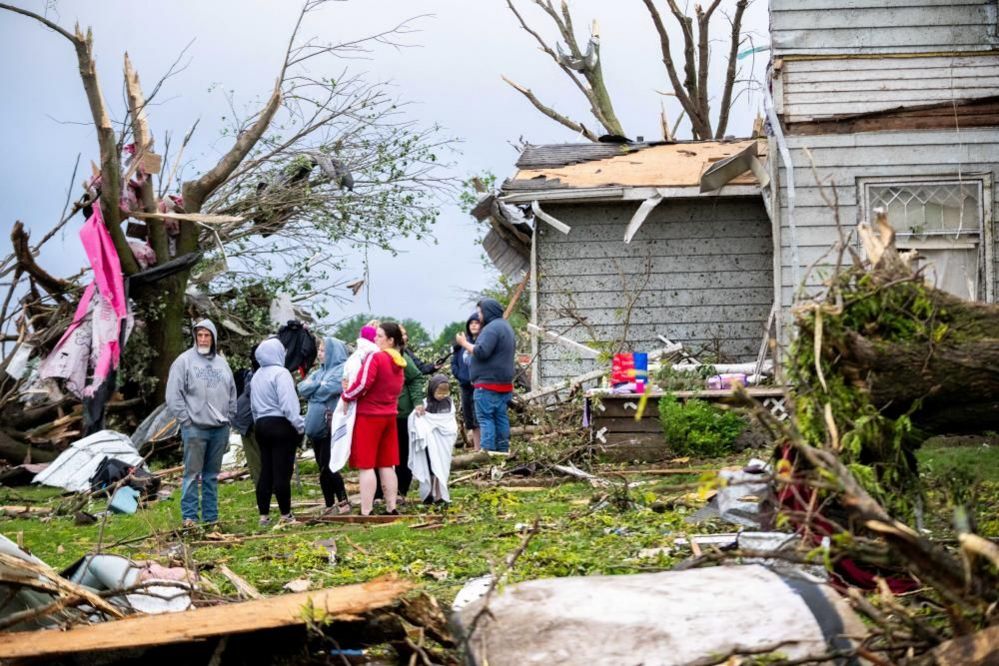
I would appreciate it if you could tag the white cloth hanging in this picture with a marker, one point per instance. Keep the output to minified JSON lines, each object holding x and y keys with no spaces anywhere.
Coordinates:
{"x":433,"y":436}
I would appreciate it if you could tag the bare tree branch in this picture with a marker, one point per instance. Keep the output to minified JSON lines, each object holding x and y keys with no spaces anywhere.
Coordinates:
{"x":692,"y":109}
{"x":733,"y":52}
{"x":550,"y":112}
{"x":110,"y":165}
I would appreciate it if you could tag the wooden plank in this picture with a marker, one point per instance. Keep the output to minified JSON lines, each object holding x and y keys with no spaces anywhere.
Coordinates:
{"x":202,"y":623}
{"x":837,"y":69}
{"x":648,"y":424}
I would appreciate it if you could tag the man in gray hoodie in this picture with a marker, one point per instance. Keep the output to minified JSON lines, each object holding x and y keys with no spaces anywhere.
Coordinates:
{"x":201,"y":395}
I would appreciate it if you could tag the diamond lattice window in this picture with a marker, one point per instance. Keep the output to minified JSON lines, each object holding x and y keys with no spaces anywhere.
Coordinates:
{"x":945,"y":222}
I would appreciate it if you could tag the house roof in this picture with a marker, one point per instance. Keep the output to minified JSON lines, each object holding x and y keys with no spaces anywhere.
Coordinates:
{"x":595,"y":165}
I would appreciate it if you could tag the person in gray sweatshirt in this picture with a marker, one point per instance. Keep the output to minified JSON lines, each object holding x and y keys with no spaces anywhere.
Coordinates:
{"x":278,"y":424}
{"x":201,"y":395}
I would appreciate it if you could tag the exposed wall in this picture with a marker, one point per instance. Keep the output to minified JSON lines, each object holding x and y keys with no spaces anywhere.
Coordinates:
{"x":840,"y":159}
{"x":711,"y":278}
{"x":821,"y":89}
{"x":825,"y":27}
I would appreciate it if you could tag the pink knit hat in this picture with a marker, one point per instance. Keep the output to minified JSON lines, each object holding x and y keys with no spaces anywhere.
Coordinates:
{"x":369,"y":333}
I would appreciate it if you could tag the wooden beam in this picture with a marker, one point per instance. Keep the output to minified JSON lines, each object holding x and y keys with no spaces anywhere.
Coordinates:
{"x":580,"y":348}
{"x":203,"y":623}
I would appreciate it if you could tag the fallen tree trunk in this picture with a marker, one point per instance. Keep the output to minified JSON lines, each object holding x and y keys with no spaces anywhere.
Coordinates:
{"x":885,"y":359}
{"x":15,"y":451}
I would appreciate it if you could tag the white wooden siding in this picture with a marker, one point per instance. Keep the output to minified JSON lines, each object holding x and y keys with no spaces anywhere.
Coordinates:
{"x":824,"y":27}
{"x":840,"y":159}
{"x":711,"y":279}
{"x":822,"y":89}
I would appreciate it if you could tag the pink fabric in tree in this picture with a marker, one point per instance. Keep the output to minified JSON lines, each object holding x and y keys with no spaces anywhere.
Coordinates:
{"x":92,"y":339}
{"x":110,"y":283}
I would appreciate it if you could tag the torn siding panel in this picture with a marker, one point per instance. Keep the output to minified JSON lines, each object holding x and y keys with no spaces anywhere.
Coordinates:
{"x":843,"y":159}
{"x":710,"y":281}
{"x":815,"y":90}
{"x":824,"y":27}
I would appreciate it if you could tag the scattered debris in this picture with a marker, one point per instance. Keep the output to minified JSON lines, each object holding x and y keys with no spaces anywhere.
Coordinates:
{"x":75,"y":466}
{"x":148,"y":631}
{"x":693,"y":616}
{"x":297,"y":585}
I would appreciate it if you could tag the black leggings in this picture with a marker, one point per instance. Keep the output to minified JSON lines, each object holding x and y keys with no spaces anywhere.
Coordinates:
{"x":331,"y":482}
{"x":278,"y":440}
{"x":403,"y":474}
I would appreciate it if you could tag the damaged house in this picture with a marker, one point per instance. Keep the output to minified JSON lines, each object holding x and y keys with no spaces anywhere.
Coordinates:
{"x":869,"y":105}
{"x":627,"y":248}
{"x":879,"y":104}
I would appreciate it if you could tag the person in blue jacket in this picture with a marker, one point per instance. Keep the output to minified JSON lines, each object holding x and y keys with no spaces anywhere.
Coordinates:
{"x":322,"y":389}
{"x":461,"y":371}
{"x":491,"y":371}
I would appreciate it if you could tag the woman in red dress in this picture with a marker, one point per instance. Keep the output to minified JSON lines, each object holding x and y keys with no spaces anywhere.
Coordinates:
{"x":375,"y":444}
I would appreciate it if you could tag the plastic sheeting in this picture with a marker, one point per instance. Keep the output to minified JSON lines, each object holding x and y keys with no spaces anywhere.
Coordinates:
{"x":75,"y":466}
{"x":673,"y":617}
{"x":160,"y":425}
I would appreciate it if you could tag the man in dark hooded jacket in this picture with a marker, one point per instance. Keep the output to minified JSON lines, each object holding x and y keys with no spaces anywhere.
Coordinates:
{"x":491,"y":371}
{"x":201,"y":395}
{"x":460,"y":368}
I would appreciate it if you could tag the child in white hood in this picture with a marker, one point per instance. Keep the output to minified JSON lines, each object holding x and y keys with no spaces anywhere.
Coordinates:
{"x":342,"y":421}
{"x":365,"y":345}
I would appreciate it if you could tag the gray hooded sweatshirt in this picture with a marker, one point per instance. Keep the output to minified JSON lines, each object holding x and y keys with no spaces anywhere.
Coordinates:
{"x":272,"y":389}
{"x":200,"y":389}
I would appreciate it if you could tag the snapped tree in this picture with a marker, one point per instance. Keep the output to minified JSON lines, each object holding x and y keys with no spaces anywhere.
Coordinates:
{"x":583,"y":66}
{"x":328,"y":163}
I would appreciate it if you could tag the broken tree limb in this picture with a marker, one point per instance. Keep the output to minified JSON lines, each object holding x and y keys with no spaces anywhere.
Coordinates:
{"x":203,"y":623}
{"x":106,"y":136}
{"x":55,"y":287}
{"x":516,"y":296}
{"x":580,"y":348}
{"x":244,"y":589}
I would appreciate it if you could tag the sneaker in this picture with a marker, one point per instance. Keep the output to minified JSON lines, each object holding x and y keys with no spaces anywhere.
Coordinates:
{"x":287,"y":519}
{"x":264,"y":521}
{"x":393,"y":512}
{"x":189,"y":523}
{"x":343,"y":507}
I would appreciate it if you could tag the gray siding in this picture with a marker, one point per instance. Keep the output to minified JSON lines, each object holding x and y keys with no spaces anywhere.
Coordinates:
{"x":711,"y":278}
{"x":841,"y":159}
{"x":825,"y":27}
{"x":822,"y":89}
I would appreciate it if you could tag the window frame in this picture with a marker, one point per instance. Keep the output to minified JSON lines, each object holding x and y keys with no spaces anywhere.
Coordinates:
{"x":986,"y":229}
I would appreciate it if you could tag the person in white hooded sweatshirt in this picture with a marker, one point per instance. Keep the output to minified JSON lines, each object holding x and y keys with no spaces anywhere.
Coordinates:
{"x":278,"y":424}
{"x":201,"y":395}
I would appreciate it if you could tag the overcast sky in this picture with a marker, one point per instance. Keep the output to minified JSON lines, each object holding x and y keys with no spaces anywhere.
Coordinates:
{"x":452,"y":76}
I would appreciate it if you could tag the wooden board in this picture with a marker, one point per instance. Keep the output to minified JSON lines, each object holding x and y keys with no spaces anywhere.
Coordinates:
{"x":672,"y":165}
{"x":629,"y":425}
{"x":202,"y":623}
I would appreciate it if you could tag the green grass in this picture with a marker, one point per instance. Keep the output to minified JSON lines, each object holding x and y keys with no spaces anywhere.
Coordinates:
{"x":479,"y":530}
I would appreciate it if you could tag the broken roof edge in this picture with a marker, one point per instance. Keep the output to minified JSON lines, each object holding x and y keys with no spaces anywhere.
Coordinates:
{"x":614,"y":194}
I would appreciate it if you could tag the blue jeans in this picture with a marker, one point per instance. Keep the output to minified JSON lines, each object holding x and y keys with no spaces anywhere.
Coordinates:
{"x":203,"y":451}
{"x":494,"y":424}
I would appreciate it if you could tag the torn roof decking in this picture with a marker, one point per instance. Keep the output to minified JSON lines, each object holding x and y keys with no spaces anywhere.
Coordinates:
{"x":674,"y":166}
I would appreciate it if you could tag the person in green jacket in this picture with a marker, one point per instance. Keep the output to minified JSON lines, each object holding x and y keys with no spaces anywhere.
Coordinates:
{"x":413,"y":388}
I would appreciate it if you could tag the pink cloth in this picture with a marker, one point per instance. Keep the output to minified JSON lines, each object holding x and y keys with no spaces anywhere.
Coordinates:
{"x":92,"y":339}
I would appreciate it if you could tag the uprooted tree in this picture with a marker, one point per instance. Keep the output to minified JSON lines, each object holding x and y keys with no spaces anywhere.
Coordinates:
{"x":583,"y":66}
{"x":881,"y":361}
{"x":328,"y":164}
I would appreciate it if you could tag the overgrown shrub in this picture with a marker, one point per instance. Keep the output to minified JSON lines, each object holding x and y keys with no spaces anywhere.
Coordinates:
{"x":698,"y":428}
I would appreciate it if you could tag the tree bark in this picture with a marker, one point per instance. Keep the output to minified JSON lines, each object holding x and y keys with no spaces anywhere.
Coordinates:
{"x":957,"y":382}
